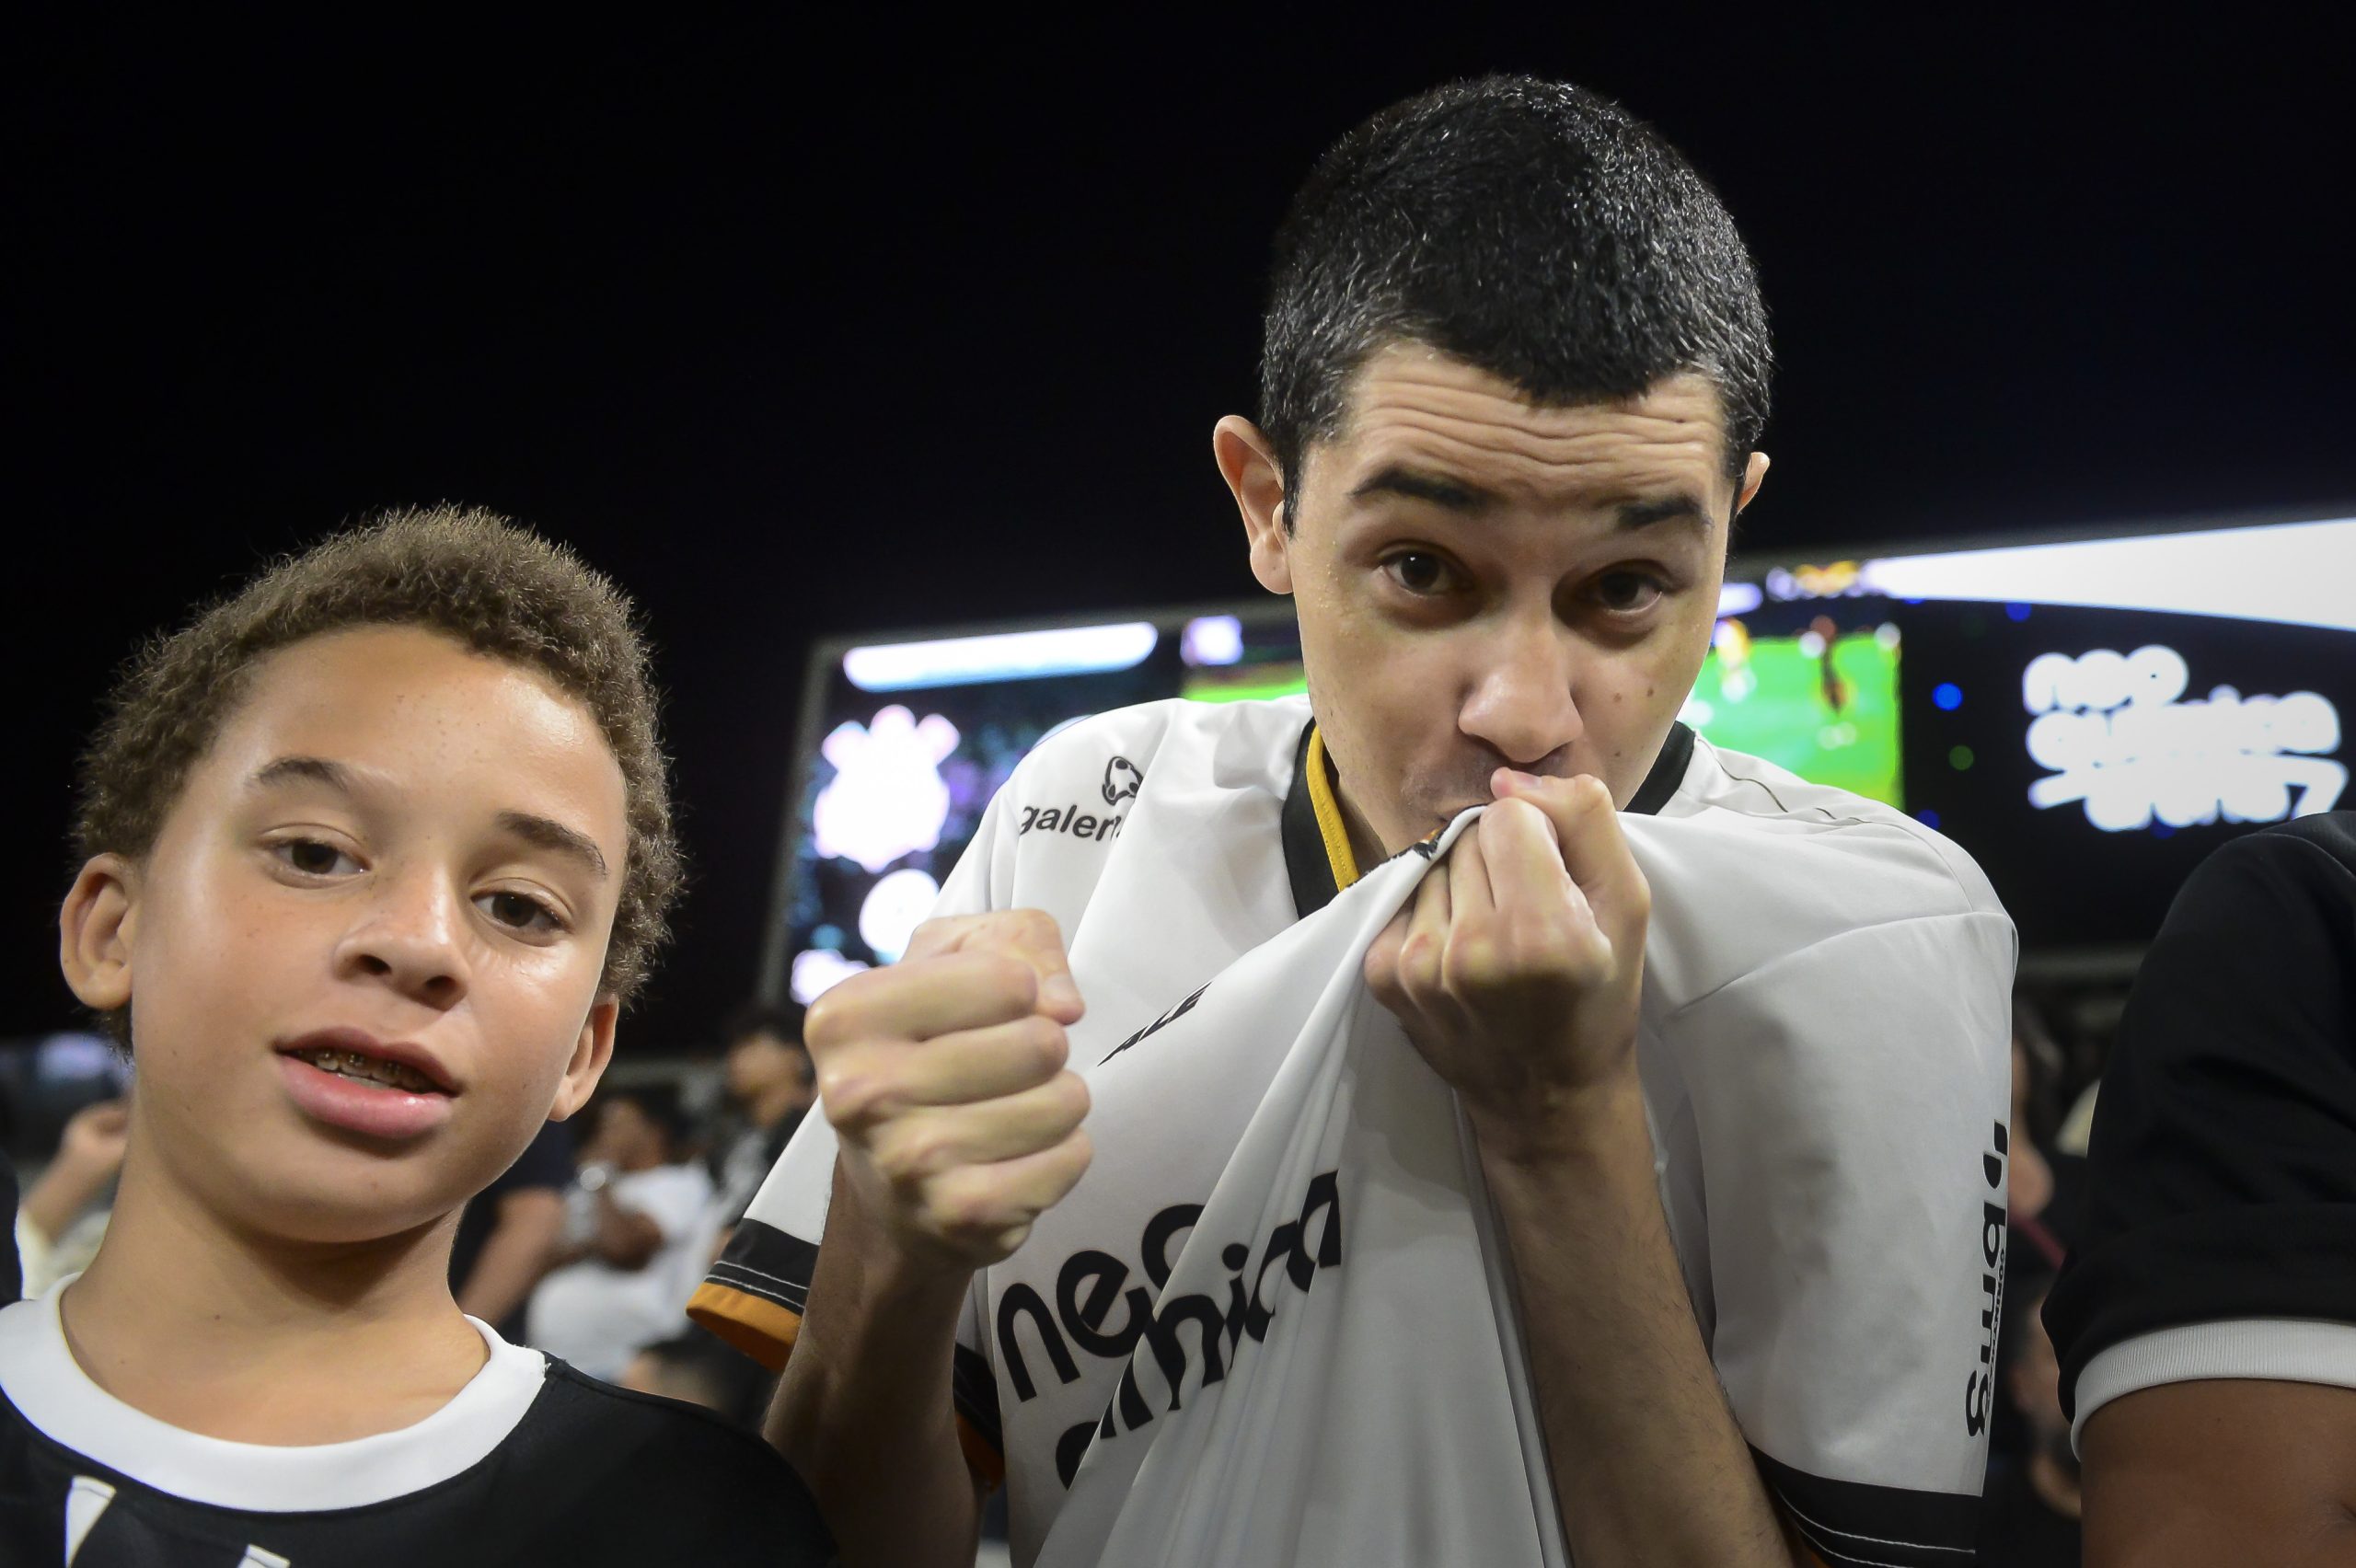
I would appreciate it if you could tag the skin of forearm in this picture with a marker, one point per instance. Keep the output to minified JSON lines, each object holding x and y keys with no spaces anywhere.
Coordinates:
{"x":1648,"y":1462}
{"x":64,"y":1190}
{"x":863,"y":1412}
{"x":2222,"y":1470}
{"x":624,"y":1238}
{"x":518,"y":1250}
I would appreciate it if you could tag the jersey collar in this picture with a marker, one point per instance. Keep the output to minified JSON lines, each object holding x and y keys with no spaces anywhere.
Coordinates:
{"x":1318,"y":858}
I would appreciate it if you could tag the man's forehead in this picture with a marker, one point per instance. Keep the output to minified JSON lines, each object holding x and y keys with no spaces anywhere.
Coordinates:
{"x":1417,"y":413}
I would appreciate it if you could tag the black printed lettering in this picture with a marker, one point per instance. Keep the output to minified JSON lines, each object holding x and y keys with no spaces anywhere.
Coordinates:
{"x":1019,"y":1301}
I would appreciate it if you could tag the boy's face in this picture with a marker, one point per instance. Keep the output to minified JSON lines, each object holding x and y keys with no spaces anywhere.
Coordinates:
{"x":1482,"y":583}
{"x":395,"y":852}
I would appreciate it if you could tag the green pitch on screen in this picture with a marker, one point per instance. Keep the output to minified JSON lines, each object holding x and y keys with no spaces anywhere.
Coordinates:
{"x":1784,"y":715}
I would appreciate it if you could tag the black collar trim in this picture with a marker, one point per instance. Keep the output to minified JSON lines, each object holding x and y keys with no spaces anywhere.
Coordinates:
{"x":1668,"y":772}
{"x":1306,"y":863}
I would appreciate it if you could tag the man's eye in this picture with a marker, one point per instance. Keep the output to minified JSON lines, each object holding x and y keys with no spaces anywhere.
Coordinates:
{"x":1418,"y":571}
{"x":313,"y":858}
{"x":1627,"y":593}
{"x":519,"y":912}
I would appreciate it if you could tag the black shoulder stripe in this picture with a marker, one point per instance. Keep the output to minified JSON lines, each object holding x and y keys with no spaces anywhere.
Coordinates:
{"x":974,"y":1388}
{"x":1852,"y":1525}
{"x":760,"y":1259}
{"x":1306,"y":865}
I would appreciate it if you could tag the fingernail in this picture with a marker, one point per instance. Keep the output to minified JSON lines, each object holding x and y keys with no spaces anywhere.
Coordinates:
{"x":1060,"y":992}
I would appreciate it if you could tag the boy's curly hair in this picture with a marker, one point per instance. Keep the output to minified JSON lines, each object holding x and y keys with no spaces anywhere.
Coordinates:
{"x":462,"y":572}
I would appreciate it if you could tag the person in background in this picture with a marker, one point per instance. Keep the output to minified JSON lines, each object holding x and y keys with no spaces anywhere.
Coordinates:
{"x":771,"y":1086}
{"x":2029,"y":1518}
{"x":2043,"y":1185}
{"x":2206,"y":1319}
{"x":12,"y":1274}
{"x":57,"y":1233}
{"x":637,"y":1238}
{"x":701,"y":1370}
{"x":509,"y":1234}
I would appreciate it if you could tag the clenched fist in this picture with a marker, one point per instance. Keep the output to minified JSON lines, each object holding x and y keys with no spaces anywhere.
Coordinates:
{"x":1518,"y":968}
{"x":944,"y":1077}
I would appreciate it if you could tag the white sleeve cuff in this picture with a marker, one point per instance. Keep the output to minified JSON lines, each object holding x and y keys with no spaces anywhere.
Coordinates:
{"x":2280,"y":1350}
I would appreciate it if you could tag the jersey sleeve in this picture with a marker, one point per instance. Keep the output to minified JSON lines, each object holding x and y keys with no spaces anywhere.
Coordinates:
{"x":755,"y":1293}
{"x":1850,"y":1103}
{"x":2220,"y":1231}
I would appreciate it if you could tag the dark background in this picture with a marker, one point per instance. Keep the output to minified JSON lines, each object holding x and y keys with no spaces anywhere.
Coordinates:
{"x":812,"y":330}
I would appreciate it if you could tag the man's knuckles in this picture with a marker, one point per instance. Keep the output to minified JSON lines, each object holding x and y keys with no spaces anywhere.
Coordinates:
{"x":933,"y":1141}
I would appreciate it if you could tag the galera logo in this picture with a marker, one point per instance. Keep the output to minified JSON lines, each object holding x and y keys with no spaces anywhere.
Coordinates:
{"x":1121,"y":778}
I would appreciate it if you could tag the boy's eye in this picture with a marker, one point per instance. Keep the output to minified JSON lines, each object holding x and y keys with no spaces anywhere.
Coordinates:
{"x":314,"y":858}
{"x":519,"y":912}
{"x":1420,"y":571}
{"x":1627,"y":593}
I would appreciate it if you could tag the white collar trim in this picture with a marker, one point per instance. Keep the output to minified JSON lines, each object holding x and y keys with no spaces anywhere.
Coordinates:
{"x":41,"y":1379}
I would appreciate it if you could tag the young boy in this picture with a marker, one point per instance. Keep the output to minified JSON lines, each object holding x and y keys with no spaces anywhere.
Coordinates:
{"x":375,"y":852}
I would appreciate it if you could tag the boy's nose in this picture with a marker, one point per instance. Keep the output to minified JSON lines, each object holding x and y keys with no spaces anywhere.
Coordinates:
{"x":414,"y":942}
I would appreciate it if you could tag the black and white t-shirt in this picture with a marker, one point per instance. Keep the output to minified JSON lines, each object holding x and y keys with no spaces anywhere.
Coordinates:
{"x":531,"y":1463}
{"x":2219,"y":1238}
{"x":1271,"y":1324}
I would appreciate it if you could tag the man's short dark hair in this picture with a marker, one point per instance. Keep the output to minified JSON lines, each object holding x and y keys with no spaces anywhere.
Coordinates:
{"x":1530,"y":229}
{"x":779,"y":1020}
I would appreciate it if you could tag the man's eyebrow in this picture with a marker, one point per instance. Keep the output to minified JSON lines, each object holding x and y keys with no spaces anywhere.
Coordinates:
{"x":1416,"y":484}
{"x":1635,"y":515}
{"x":546,"y":833}
{"x":303,"y":770}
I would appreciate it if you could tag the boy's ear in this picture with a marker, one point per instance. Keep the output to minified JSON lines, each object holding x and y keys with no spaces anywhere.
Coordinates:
{"x":95,"y":926}
{"x":589,"y":1054}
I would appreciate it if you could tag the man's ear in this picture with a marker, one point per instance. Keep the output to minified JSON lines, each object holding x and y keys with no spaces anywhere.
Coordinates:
{"x":1754,"y":474}
{"x":95,"y":926}
{"x":1249,"y":465}
{"x":589,"y":1054}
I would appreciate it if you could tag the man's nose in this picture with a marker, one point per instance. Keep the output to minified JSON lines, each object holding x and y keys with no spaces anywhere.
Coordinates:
{"x":412,"y":937}
{"x":1520,"y":702}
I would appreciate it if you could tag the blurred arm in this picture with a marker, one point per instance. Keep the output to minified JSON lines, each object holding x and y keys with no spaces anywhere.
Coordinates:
{"x":521,"y":1245}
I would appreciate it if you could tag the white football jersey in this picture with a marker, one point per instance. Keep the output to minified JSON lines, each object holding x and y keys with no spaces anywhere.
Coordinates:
{"x":1272,"y":1325}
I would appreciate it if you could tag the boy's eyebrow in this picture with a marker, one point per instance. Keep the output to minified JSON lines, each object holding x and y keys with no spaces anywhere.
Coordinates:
{"x":547,"y":833}
{"x":304,"y":769}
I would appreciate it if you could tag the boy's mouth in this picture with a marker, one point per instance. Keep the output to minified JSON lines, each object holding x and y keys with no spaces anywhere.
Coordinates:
{"x":359,"y":1057}
{"x":368,"y":1069}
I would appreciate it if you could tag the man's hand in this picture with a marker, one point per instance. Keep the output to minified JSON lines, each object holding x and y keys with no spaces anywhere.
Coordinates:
{"x":1518,"y":968}
{"x":944,"y":1077}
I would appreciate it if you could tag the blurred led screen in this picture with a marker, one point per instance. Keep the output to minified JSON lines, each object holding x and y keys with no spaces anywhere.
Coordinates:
{"x":2087,"y":718}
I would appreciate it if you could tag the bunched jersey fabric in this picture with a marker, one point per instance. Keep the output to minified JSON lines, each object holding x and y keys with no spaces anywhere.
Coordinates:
{"x":1273,"y":1323}
{"x":531,"y":1463}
